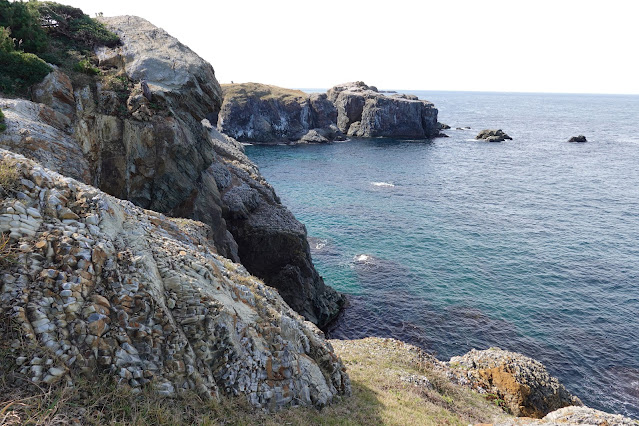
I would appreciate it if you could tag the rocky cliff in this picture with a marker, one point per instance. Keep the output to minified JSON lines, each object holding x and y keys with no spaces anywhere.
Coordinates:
{"x":363,"y":111}
{"x":253,"y":112}
{"x":95,"y":285}
{"x":264,"y":114}
{"x":143,"y":131}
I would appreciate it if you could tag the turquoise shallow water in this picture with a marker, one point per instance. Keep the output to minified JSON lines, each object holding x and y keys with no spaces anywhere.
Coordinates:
{"x":531,"y":245}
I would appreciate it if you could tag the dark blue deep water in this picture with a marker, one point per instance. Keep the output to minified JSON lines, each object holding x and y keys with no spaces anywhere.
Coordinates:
{"x":531,"y":245}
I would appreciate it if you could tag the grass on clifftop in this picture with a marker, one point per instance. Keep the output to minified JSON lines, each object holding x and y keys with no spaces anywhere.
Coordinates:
{"x":240,"y":92}
{"x":376,"y":368}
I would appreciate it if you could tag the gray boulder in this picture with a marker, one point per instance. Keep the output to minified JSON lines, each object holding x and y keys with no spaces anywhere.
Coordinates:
{"x":521,"y":382}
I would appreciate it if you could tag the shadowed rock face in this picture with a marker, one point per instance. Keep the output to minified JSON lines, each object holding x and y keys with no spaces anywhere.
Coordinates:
{"x":106,"y":287}
{"x":364,"y":112}
{"x":259,"y":113}
{"x":253,"y":112}
{"x":158,"y":154}
{"x":523,"y":383}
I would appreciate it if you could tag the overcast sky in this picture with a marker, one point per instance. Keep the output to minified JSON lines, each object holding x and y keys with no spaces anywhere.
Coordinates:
{"x":488,"y":45}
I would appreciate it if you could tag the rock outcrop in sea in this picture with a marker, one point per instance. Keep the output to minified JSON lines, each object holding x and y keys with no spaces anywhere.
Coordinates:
{"x":580,"y":138}
{"x":253,"y":112}
{"x":91,"y":283}
{"x":155,"y":151}
{"x":265,"y":114}
{"x":365,"y":112}
{"x":494,"y":135}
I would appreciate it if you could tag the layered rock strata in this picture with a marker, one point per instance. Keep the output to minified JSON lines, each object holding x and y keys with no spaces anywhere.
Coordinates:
{"x":137,"y":133}
{"x":253,"y":112}
{"x":95,"y":285}
{"x":365,"y":112}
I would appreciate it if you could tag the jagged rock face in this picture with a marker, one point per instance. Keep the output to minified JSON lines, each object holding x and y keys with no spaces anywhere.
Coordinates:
{"x":38,"y":131}
{"x":158,"y":154}
{"x":523,"y":383}
{"x":271,"y":242}
{"x":364,"y":112}
{"x":253,"y":112}
{"x":149,"y":53}
{"x":100,"y":286}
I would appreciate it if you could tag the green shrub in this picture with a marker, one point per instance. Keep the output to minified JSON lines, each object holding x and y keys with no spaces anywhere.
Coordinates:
{"x":3,"y":126}
{"x":72,"y":23}
{"x":24,"y":20}
{"x":6,"y":42}
{"x":85,"y":66}
{"x":19,"y":70}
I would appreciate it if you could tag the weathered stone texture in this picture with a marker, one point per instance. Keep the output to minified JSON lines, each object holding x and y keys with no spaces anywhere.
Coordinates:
{"x":523,"y":383}
{"x":100,"y":286}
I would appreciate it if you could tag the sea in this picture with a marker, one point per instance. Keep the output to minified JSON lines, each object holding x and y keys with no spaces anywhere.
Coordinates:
{"x":529,"y":245}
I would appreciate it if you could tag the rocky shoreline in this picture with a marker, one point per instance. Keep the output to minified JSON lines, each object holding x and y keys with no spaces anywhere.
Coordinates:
{"x":139,"y":241}
{"x":258,"y":113}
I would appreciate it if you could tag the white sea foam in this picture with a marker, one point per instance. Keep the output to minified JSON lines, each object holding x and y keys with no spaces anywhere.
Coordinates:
{"x":362,"y":258}
{"x":246,"y":144}
{"x":386,"y":184}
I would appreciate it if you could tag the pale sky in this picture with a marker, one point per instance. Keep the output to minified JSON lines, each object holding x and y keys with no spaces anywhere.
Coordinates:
{"x":565,"y":46}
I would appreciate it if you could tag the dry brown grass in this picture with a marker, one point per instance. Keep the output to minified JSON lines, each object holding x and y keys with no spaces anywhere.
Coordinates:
{"x":379,"y":397}
{"x":240,"y":92}
{"x":8,"y":175}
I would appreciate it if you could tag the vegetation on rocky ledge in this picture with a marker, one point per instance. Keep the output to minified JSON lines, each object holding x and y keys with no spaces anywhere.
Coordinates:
{"x":3,"y":126}
{"x":35,"y":33}
{"x":240,"y":92}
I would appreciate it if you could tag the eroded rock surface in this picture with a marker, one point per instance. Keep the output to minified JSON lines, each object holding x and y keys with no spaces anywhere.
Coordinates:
{"x":137,"y":133}
{"x":97,"y":285}
{"x":253,"y":112}
{"x":521,"y":382}
{"x":364,"y":112}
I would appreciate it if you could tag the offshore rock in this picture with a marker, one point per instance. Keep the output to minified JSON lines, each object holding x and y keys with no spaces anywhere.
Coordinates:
{"x":523,"y":383}
{"x":118,"y":290}
{"x":580,"y":138}
{"x":253,"y":112}
{"x":143,"y":133}
{"x":488,"y":135}
{"x":364,"y":112}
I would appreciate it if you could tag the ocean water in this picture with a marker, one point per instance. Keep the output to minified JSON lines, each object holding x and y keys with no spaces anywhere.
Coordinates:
{"x":531,"y":245}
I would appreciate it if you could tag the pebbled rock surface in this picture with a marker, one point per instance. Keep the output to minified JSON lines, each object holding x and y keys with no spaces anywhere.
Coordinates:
{"x":364,"y":112}
{"x":97,"y":285}
{"x":489,"y":135}
{"x":144,"y":133}
{"x":523,"y":383}
{"x":253,"y":112}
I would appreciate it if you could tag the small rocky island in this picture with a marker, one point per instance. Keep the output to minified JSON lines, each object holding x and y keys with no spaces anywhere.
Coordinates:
{"x":580,"y":138}
{"x":259,"y":113}
{"x":495,"y":135}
